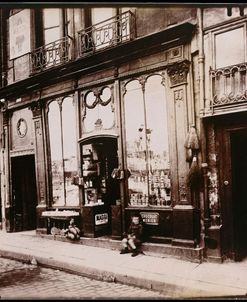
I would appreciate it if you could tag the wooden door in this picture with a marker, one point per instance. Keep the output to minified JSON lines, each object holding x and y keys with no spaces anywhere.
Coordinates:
{"x":232,"y":147}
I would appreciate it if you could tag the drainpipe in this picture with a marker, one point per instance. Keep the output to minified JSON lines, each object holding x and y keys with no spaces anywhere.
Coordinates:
{"x":204,"y":165}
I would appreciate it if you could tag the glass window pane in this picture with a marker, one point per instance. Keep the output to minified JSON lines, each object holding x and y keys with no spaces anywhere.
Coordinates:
{"x":52,"y":35}
{"x":157,"y":142}
{"x":102,"y":14}
{"x":229,"y":48}
{"x":136,"y":144}
{"x":51,"y":17}
{"x":56,"y":154}
{"x":70,"y":151}
{"x":103,"y":33}
{"x":100,"y":116}
{"x":107,"y":116}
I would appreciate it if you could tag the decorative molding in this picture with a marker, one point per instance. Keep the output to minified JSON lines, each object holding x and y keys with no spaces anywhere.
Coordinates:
{"x":178,"y":72}
{"x":36,"y":108}
{"x":21,"y":127}
{"x":182,"y":191}
{"x":14,"y":153}
{"x":178,"y":95}
{"x":97,"y":91}
{"x":142,"y":80}
{"x":230,"y":98}
{"x":37,"y":126}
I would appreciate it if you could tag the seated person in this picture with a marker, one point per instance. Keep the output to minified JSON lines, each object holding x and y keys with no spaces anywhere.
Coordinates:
{"x":72,"y":232}
{"x":132,"y":240}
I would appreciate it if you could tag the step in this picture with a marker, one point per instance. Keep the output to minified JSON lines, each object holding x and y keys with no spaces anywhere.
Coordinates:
{"x":152,"y":249}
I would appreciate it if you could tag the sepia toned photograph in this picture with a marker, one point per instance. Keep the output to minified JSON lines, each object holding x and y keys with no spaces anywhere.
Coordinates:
{"x":123,"y":128}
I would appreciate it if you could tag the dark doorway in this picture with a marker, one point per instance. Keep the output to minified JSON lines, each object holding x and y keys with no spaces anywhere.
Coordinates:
{"x":101,"y":188}
{"x":24,"y":193}
{"x":238,"y":140}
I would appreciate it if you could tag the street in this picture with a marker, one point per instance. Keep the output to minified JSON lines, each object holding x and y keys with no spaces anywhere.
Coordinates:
{"x":25,"y":281}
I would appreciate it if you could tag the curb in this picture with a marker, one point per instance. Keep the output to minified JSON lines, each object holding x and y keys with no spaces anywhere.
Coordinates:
{"x":168,"y":289}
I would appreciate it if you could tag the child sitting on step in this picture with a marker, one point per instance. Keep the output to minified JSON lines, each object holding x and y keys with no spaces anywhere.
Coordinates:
{"x":132,"y":240}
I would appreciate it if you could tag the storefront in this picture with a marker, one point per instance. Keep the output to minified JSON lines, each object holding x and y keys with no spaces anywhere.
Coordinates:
{"x":105,"y":136}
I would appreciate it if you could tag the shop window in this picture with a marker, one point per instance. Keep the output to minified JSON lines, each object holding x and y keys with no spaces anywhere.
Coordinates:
{"x":230,"y":47}
{"x":98,"y":109}
{"x":63,"y":152}
{"x":147,"y":145}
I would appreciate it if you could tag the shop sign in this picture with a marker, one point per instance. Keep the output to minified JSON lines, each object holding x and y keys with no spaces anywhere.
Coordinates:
{"x":101,"y":218}
{"x":150,"y":218}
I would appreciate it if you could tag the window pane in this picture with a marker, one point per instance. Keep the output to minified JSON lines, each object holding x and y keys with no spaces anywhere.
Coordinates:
{"x":157,"y":142}
{"x":100,"y":116}
{"x":52,"y":35}
{"x":70,"y":151}
{"x":229,"y":47}
{"x":102,"y":14}
{"x":136,"y":144}
{"x":103,"y":33}
{"x":56,"y":154}
{"x":51,"y":17}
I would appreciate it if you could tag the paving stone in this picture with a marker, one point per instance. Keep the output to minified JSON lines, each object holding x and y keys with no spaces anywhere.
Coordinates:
{"x":47,"y":283}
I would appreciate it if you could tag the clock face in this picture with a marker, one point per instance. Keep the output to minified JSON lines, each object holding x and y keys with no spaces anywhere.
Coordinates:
{"x":21,"y":127}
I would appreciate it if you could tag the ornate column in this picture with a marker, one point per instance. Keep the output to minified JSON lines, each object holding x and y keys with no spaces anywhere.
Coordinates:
{"x":40,"y":165}
{"x":5,"y":177}
{"x":186,"y":226}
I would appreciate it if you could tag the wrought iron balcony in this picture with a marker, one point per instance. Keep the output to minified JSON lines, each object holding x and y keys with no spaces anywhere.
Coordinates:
{"x":229,"y":86}
{"x":108,"y":33}
{"x":50,"y":55}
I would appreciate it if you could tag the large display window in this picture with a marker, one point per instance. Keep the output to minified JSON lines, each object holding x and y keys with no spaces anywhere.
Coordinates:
{"x":147,"y":144}
{"x":63,"y":152}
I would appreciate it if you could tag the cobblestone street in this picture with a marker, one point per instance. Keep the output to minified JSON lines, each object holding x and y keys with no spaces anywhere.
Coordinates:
{"x":24,"y":281}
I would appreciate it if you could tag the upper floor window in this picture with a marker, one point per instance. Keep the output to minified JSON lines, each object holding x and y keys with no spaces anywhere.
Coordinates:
{"x":19,"y":33}
{"x":52,"y":24}
{"x":105,"y":27}
{"x":54,"y":43}
{"x":230,"y":47}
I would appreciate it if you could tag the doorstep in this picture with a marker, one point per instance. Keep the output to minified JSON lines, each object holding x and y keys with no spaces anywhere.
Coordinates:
{"x":152,"y":249}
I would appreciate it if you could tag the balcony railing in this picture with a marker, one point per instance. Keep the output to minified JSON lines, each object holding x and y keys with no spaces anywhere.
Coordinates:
{"x":108,"y":33}
{"x":229,"y":85}
{"x":50,"y":55}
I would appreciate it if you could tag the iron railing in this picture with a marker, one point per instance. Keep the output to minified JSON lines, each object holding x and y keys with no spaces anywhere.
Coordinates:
{"x":51,"y":55}
{"x":229,"y":85}
{"x":108,"y":33}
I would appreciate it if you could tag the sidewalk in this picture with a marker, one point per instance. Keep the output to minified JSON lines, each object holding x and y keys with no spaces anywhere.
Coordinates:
{"x":176,"y":278}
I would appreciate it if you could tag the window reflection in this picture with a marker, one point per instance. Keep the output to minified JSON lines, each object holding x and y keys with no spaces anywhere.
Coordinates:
{"x":147,"y":143}
{"x":157,"y":138}
{"x":135,"y":144}
{"x":62,"y":132}
{"x":56,"y":153}
{"x":69,"y":150}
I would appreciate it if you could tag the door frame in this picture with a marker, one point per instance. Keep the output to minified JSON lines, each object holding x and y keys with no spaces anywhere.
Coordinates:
{"x":224,"y":129}
{"x":14,"y":171}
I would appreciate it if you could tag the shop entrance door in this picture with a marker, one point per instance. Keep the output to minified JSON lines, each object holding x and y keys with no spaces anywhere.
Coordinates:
{"x":101,"y":189}
{"x":24,"y":195}
{"x":234,"y":191}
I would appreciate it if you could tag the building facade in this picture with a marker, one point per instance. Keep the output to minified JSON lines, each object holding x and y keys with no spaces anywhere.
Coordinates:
{"x":111,"y":111}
